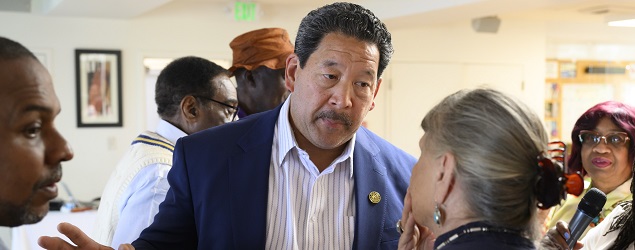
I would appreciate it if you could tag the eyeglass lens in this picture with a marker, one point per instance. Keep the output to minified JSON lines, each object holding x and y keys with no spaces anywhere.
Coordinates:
{"x":593,"y":138}
{"x":232,"y":112}
{"x":229,"y":109}
{"x":235,"y":115}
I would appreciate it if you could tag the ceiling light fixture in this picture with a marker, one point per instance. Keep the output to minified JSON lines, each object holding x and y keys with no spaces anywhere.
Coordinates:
{"x":624,"y":19}
{"x":622,"y":23}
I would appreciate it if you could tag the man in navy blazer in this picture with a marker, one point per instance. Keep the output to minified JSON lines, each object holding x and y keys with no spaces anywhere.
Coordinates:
{"x":219,"y":187}
{"x":302,"y":176}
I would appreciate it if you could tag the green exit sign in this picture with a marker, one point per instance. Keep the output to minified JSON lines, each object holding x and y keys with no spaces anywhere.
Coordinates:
{"x":245,"y":11}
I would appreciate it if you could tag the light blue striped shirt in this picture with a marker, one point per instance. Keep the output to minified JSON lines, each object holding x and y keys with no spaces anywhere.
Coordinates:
{"x":308,"y":209}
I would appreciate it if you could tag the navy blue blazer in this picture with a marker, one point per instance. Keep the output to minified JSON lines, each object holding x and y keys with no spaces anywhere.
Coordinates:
{"x":219,"y":188}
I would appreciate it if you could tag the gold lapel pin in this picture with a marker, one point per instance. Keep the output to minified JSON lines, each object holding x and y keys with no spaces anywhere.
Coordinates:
{"x":374,"y":197}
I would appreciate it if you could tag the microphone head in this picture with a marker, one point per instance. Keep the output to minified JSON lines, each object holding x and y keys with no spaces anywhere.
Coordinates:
{"x":592,"y":202}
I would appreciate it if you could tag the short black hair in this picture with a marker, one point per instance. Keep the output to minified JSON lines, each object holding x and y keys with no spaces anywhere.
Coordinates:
{"x":10,"y":49}
{"x":182,"y":77}
{"x":348,"y":19}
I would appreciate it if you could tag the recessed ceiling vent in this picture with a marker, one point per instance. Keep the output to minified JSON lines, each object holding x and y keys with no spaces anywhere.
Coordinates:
{"x":608,"y":9}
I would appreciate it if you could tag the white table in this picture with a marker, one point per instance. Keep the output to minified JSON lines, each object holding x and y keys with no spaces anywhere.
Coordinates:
{"x":25,"y":237}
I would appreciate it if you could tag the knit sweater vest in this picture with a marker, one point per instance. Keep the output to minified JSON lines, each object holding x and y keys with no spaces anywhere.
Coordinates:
{"x":147,"y":149}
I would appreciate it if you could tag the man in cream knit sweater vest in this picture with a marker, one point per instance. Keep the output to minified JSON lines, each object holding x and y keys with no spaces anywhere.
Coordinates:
{"x":192,"y":94}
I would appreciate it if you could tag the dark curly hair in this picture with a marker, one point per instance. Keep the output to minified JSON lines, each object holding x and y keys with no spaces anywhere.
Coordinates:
{"x":185,"y":76}
{"x":10,"y":49}
{"x":348,"y":19}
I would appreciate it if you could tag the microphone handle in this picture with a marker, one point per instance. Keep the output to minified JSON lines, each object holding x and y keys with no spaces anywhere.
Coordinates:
{"x":577,"y":226}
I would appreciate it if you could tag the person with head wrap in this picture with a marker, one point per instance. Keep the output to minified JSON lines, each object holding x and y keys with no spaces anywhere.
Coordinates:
{"x":258,"y":64}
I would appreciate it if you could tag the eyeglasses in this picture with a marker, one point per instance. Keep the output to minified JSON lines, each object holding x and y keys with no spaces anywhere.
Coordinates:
{"x":592,"y":138}
{"x":231,"y":110}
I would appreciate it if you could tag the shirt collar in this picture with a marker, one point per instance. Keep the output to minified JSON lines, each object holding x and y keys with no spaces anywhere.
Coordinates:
{"x":623,"y":189}
{"x":286,"y":139}
{"x":169,"y":131}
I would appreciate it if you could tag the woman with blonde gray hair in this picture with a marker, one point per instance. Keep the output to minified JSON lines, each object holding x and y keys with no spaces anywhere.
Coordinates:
{"x":482,"y":172}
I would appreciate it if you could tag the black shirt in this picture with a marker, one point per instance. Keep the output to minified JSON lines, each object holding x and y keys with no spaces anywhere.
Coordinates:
{"x":480,"y":235}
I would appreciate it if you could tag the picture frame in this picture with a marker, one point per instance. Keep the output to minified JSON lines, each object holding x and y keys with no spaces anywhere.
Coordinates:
{"x":98,"y":90}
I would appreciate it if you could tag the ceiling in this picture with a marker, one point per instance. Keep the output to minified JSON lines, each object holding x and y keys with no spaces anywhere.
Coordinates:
{"x":394,"y":12}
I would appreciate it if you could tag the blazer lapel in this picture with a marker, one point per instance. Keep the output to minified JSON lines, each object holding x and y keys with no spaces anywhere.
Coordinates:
{"x":369,"y":175}
{"x":249,"y":183}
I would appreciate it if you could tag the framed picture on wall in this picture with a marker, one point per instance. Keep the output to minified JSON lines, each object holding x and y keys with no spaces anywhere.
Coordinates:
{"x":98,"y":91}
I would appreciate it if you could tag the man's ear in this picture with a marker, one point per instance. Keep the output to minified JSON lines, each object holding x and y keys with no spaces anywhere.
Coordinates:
{"x":189,"y":108}
{"x":249,"y":77}
{"x":372,"y":106}
{"x":244,"y":78}
{"x":291,"y":69}
{"x":445,"y":177}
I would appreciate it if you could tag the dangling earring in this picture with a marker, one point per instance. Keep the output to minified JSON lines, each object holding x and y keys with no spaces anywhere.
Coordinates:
{"x":437,"y":214}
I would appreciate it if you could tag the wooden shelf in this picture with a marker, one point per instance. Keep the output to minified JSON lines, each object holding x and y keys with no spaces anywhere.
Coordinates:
{"x":563,"y":72}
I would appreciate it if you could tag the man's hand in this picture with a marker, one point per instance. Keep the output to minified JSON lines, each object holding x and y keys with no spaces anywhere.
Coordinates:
{"x":78,"y":237}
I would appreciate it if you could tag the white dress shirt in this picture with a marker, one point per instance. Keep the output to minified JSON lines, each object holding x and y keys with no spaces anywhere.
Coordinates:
{"x":3,"y":246}
{"x":308,"y":209}
{"x":140,"y":202}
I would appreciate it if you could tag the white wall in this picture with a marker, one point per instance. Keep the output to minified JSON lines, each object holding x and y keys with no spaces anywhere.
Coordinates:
{"x":433,"y":62}
{"x":86,"y":174}
{"x":200,"y":28}
{"x":429,"y":63}
{"x":197,"y":28}
{"x":189,"y":28}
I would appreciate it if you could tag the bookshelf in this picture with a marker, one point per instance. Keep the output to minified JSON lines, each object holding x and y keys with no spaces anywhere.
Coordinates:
{"x":557,"y":71}
{"x":608,"y":77}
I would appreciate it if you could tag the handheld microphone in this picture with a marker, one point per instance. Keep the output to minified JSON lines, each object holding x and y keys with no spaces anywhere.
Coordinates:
{"x":590,"y":207}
